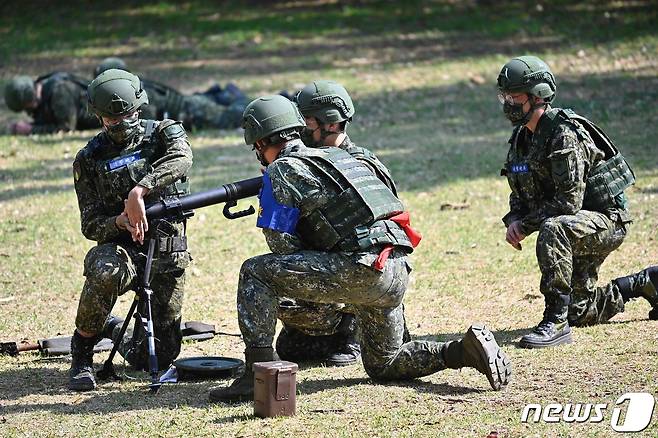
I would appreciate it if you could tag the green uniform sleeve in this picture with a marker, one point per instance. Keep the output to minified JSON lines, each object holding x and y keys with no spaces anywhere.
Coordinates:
{"x":63,"y":104}
{"x":176,"y":161}
{"x":568,"y":161}
{"x":517,"y":210}
{"x":96,"y":224}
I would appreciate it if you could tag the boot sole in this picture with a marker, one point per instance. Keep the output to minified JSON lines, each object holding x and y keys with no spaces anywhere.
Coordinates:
{"x":340,"y":364}
{"x":226,"y":398}
{"x":82,"y":386}
{"x":498,"y":366}
{"x":562,"y":339}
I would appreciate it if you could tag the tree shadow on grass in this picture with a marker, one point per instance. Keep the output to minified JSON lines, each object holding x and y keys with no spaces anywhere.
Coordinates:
{"x":40,"y":384}
{"x":228,"y":29}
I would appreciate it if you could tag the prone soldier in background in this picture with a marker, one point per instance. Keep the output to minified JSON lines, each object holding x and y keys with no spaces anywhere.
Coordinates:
{"x":56,"y":102}
{"x":567,"y":180}
{"x":132,"y":161}
{"x":219,"y":108}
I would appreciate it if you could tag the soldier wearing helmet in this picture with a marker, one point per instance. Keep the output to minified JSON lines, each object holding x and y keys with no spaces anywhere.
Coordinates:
{"x":130,"y":163}
{"x":219,"y":108}
{"x":567,"y":180}
{"x":337,"y":235}
{"x":327,"y":109}
{"x":56,"y":102}
{"x":312,"y":331}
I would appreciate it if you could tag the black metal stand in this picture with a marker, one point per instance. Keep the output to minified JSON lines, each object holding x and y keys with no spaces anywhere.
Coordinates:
{"x":144,"y":292}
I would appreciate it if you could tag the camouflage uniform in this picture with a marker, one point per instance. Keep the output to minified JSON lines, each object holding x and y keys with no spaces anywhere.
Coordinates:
{"x":546,"y":171}
{"x":313,"y":331}
{"x":294,"y":269}
{"x":196,"y":111}
{"x":113,"y":266}
{"x":62,"y":105}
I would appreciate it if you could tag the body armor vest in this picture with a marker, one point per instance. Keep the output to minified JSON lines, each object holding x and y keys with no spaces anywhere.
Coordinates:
{"x":605,"y":183}
{"x":119,"y":174}
{"x":355,"y":219}
{"x":368,"y":157}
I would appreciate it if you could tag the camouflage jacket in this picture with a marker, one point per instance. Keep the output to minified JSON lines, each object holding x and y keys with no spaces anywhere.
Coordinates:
{"x":63,"y":105}
{"x":547,"y":177}
{"x":364,"y":155}
{"x":170,"y":158}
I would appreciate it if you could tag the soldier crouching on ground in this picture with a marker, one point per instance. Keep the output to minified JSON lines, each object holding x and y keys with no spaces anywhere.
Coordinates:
{"x":326,"y":332}
{"x":337,"y":235}
{"x":131,"y":161}
{"x":568,"y":182}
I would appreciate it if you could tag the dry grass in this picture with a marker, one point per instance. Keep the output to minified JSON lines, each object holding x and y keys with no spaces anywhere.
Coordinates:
{"x":428,"y":114}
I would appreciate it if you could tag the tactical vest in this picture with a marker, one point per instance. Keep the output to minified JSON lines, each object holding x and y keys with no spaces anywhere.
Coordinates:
{"x":356,"y":219}
{"x":119,"y":174}
{"x":606,"y":182}
{"x":380,"y":170}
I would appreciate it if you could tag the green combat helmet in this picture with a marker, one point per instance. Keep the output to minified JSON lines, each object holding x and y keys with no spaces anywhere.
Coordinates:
{"x":528,"y":74}
{"x":327,"y":101}
{"x":109,"y":63}
{"x":269,"y":115}
{"x":116,"y":93}
{"x":19,"y":93}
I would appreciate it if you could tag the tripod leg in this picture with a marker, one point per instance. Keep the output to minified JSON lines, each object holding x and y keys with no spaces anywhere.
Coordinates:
{"x":107,"y":371}
{"x":147,"y":322}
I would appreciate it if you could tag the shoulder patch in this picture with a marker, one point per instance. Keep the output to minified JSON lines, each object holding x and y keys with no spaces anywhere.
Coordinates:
{"x":171,"y":130}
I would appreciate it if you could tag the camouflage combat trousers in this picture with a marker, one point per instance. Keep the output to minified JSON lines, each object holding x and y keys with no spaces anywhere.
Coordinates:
{"x":375,"y":297}
{"x":111,"y":270}
{"x":201,"y":112}
{"x":570,"y":251}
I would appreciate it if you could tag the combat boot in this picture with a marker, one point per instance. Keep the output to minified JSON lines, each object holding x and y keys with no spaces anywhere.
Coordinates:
{"x":643,"y":284}
{"x":242,"y":388}
{"x":349,"y":351}
{"x":81,"y":374}
{"x":548,"y":333}
{"x":478,"y":349}
{"x":348,"y":354}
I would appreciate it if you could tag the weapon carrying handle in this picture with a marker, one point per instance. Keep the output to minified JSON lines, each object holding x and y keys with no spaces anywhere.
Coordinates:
{"x":228,"y":214}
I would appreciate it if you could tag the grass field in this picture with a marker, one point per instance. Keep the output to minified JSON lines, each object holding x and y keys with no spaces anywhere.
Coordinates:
{"x":422,"y":76}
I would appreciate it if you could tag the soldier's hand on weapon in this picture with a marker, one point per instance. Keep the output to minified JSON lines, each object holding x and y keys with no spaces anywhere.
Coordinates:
{"x":136,"y":212}
{"x":123,"y":223}
{"x":21,"y":128}
{"x":514,"y":235}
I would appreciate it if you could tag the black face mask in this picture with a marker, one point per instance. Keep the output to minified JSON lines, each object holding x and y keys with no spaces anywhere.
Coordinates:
{"x":123,"y":131}
{"x":261,"y":157}
{"x":514,"y":113}
{"x":307,"y":138}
